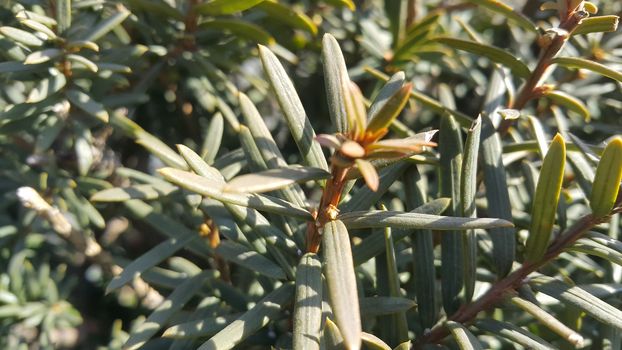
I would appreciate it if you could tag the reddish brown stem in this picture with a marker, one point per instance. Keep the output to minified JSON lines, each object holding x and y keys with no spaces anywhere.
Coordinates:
{"x":531,"y":89}
{"x":328,"y":206}
{"x":511,"y":282}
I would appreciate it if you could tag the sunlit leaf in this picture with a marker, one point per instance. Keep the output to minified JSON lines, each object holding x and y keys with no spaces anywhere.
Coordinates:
{"x":225,"y":7}
{"x":607,"y":179}
{"x":87,"y":104}
{"x":341,"y":281}
{"x":273,"y":179}
{"x":290,"y":103}
{"x":545,"y":201}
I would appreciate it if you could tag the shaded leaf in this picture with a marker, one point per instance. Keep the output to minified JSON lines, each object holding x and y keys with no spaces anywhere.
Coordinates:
{"x":468,"y":191}
{"x":121,"y":194}
{"x":514,"y":333}
{"x":372,"y":245}
{"x":389,"y":110}
{"x":240,"y":28}
{"x":225,"y":7}
{"x":87,"y":104}
{"x":377,"y":306}
{"x":493,"y":53}
{"x":577,"y":296}
{"x":173,"y":303}
{"x":199,"y":328}
{"x":148,"y":260}
{"x":251,"y":321}
{"x":252,"y":260}
{"x":282,"y":13}
{"x":508,"y":13}
{"x":108,"y":24}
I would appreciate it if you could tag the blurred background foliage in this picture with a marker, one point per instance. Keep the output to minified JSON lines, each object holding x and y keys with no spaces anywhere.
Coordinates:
{"x":93,"y":91}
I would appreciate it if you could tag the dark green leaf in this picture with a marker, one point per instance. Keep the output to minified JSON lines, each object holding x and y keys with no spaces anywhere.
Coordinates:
{"x":493,"y":53}
{"x":251,"y":321}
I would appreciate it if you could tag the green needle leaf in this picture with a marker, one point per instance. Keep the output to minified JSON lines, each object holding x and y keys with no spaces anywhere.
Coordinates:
{"x":251,"y":321}
{"x":341,"y":281}
{"x":213,"y":189}
{"x":87,"y":104}
{"x":295,"y":115}
{"x":493,"y":53}
{"x":607,"y":180}
{"x":465,"y":339}
{"x":508,"y":13}
{"x":545,"y":200}
{"x":308,"y":307}
{"x":582,"y":63}
{"x":572,"y":103}
{"x":399,"y":219}
{"x":225,"y":7}
{"x":335,"y":79}
{"x":274,"y":179}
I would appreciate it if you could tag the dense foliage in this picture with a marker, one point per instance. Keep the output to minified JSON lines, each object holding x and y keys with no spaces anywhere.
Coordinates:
{"x":377,"y":174}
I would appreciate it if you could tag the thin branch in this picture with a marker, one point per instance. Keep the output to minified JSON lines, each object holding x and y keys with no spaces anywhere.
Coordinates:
{"x":514,"y":280}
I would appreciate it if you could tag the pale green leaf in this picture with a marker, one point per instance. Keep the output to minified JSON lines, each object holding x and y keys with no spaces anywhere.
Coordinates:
{"x":341,"y":281}
{"x":87,"y":104}
{"x":295,"y":115}
{"x":335,"y":77}
{"x":21,"y":36}
{"x":508,"y":13}
{"x":308,"y":308}
{"x":398,"y":219}
{"x":210,"y":188}
{"x":273,"y":179}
